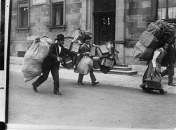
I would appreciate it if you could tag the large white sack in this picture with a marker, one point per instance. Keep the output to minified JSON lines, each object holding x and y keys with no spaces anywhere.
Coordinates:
{"x":34,"y":57}
{"x":85,"y":64}
{"x":142,"y":53}
{"x":38,"y":50}
{"x":138,"y":49}
{"x":31,"y":69}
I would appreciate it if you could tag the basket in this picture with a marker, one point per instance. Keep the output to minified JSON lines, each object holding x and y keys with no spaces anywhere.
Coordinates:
{"x":68,"y":63}
{"x":107,"y":62}
{"x":75,"y":47}
{"x":147,"y":38}
{"x":93,"y":51}
{"x":104,"y":49}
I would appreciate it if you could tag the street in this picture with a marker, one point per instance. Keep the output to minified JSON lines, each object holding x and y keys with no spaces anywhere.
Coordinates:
{"x":116,"y":102}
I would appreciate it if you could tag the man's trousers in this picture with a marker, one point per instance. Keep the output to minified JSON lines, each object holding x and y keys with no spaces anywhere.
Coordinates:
{"x":44,"y":76}
{"x":170,"y":72}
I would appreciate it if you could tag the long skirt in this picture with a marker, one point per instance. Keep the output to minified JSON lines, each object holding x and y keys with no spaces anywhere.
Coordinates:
{"x":152,"y":77}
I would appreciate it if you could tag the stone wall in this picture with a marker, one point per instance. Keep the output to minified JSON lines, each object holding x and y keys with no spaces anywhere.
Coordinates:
{"x":138,"y":13}
{"x":131,"y":20}
{"x":40,"y":21}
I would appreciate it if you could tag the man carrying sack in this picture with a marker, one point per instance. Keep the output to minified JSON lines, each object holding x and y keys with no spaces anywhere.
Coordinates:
{"x":52,"y":63}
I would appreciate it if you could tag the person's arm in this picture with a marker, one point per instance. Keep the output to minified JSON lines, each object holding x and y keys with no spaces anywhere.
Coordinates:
{"x":66,"y":51}
{"x":156,"y":54}
{"x":51,"y":52}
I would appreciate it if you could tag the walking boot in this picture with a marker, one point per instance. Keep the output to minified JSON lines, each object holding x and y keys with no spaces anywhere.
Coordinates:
{"x":170,"y":82}
{"x":57,"y":92}
{"x":142,"y":85}
{"x":80,"y":83}
{"x":34,"y":87}
{"x":95,"y":83}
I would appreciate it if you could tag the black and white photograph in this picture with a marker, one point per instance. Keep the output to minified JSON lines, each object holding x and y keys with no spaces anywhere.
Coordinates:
{"x":2,"y":21}
{"x":2,"y":66}
{"x":88,"y":64}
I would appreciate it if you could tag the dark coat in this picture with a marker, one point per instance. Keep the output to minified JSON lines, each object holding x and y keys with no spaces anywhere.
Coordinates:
{"x":85,"y":47}
{"x":170,"y":57}
{"x":51,"y":59}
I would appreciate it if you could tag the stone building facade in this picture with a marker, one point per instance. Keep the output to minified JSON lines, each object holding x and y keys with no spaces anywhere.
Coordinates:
{"x":119,"y":20}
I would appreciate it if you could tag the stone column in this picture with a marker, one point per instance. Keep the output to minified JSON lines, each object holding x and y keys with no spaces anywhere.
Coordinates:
{"x":83,"y":14}
{"x":154,"y":8}
{"x":89,"y":15}
{"x":86,"y":15}
{"x":120,"y":28}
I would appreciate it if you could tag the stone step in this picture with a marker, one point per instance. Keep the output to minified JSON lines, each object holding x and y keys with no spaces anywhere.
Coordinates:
{"x":122,"y":72}
{"x":119,"y":72}
{"x":124,"y":68}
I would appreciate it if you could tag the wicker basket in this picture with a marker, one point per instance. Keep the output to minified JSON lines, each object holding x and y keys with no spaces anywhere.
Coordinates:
{"x":75,"y":47}
{"x":107,"y":62}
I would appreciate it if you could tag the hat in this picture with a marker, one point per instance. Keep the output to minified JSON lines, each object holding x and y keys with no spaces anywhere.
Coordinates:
{"x":60,"y":37}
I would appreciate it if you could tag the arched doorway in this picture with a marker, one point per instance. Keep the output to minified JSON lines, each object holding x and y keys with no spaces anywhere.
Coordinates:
{"x":104,"y":20}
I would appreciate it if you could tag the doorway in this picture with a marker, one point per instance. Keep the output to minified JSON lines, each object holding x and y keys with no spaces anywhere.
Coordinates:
{"x":104,"y":27}
{"x":104,"y":21}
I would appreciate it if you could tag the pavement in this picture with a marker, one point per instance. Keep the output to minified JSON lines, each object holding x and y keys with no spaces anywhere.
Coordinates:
{"x":117,"y":103}
{"x":132,"y":81}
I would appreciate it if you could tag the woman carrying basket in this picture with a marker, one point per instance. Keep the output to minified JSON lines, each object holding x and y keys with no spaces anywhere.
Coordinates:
{"x":84,"y":54}
{"x":152,"y":76}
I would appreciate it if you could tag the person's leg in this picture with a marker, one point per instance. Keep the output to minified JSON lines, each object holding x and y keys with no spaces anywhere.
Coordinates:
{"x":171,"y":75}
{"x":80,"y":79}
{"x":55,"y":75}
{"x":145,"y":75}
{"x":74,"y":57}
{"x":40,"y":80}
{"x":146,"y":72}
{"x":92,"y":77}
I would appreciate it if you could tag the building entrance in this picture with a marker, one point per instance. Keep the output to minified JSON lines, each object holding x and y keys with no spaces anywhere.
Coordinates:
{"x":104,"y":20}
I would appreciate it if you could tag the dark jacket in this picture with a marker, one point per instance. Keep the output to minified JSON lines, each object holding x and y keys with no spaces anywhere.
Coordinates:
{"x":85,"y":47}
{"x":170,"y":57}
{"x":172,"y":54}
{"x":51,"y":59}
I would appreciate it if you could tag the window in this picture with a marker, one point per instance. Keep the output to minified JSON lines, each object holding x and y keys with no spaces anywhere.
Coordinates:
{"x":23,"y":15}
{"x":57,"y":17}
{"x":57,"y":14}
{"x":166,"y":9}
